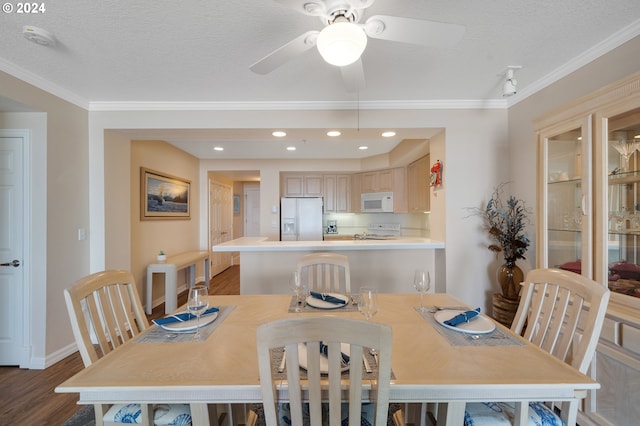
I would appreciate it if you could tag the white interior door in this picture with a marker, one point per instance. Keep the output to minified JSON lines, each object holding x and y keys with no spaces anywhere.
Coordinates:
{"x":252,"y":210}
{"x":220,"y":223}
{"x":11,"y":250}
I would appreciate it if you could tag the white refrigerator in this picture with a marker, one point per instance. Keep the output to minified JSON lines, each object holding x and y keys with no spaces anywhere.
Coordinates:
{"x":301,"y":219}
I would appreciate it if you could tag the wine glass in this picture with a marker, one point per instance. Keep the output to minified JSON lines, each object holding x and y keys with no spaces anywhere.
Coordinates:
{"x":422,"y":283}
{"x":197,"y":303}
{"x":298,"y":290}
{"x":368,"y":303}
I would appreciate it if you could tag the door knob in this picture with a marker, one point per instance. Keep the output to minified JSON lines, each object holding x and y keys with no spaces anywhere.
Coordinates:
{"x":15,"y":263}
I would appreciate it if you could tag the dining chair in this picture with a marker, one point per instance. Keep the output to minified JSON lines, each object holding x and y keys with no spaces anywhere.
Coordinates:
{"x":312,"y":393}
{"x":561,"y":312}
{"x":325,"y":272}
{"x":105,"y":306}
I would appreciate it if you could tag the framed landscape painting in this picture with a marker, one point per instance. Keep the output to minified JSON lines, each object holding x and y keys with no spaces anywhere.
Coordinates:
{"x":163,"y":196}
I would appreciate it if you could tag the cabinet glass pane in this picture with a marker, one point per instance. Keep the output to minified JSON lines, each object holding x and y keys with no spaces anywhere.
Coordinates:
{"x":564,"y":200}
{"x":623,"y":203}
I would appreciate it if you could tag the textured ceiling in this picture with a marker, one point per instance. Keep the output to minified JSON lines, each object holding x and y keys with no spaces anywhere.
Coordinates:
{"x":200,"y":51}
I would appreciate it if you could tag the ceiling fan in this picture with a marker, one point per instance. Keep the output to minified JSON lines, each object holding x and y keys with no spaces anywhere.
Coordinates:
{"x":344,"y":37}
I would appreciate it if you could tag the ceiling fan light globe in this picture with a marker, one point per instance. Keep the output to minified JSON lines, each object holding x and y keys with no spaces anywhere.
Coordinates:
{"x":342,"y":43}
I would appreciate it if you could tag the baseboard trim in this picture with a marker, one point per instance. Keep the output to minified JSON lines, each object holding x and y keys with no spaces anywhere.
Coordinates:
{"x":59,"y":355}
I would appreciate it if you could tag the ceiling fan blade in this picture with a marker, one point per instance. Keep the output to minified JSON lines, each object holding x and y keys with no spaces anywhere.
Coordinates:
{"x":414,"y":31}
{"x":295,"y":47}
{"x":353,"y":76}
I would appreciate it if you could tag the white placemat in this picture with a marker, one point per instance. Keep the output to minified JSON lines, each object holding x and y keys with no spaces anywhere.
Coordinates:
{"x":278,"y":353}
{"x":456,"y":338}
{"x":158,"y":334}
{"x":349,"y":307}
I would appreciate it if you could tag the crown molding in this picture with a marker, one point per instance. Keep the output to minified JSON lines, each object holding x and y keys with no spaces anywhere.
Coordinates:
{"x":605,"y":46}
{"x":39,"y":82}
{"x":297,"y":105}
{"x":617,"y":39}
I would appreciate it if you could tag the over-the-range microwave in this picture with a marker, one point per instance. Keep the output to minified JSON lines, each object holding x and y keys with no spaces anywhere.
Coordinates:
{"x":377,"y":202}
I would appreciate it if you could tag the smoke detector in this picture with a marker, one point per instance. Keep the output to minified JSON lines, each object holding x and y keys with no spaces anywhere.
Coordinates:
{"x":38,"y":35}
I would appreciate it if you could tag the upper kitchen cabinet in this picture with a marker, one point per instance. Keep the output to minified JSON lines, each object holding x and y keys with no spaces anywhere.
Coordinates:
{"x":356,"y":192}
{"x":418,"y":185}
{"x":387,"y":180}
{"x":302,"y":185}
{"x":337,"y":193}
{"x":378,"y":181}
{"x":588,"y":221}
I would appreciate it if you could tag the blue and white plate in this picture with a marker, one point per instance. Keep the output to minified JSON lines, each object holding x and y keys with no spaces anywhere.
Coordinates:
{"x":323,"y":304}
{"x":191,"y":324}
{"x":478,"y":325}
{"x":345,"y":348}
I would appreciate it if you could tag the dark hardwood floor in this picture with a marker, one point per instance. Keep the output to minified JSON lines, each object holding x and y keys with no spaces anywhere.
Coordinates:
{"x":27,"y":397}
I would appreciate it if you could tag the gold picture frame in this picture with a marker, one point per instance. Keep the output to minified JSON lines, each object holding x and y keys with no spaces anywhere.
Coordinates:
{"x":163,"y":196}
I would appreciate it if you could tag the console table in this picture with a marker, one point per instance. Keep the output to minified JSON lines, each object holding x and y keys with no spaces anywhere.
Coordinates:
{"x":170,"y":270}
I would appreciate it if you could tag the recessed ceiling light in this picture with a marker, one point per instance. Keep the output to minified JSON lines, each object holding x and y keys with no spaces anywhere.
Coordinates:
{"x":279,"y":134}
{"x":363,"y":147}
{"x":291,"y":148}
{"x":218,"y":148}
{"x":388,"y":134}
{"x":333,"y":133}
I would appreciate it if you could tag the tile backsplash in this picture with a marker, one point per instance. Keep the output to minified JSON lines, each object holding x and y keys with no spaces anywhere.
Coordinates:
{"x":411,"y":225}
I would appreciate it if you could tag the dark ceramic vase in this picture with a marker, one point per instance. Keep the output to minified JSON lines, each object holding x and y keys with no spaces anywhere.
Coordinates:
{"x":509,"y":277}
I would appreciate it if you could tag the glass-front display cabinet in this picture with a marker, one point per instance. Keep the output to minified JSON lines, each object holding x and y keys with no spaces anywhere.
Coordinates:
{"x":588,"y":222}
{"x":620,"y":137}
{"x":566,"y":197}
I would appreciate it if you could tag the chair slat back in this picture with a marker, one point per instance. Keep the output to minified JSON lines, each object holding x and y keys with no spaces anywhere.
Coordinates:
{"x":552,"y":305}
{"x":106,"y":305}
{"x":317,"y":388}
{"x":325,"y":272}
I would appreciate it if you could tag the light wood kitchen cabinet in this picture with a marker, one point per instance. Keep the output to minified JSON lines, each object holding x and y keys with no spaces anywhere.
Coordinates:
{"x":387,"y":180}
{"x":337,"y":193}
{"x":356,"y":191}
{"x":588,"y":221}
{"x":302,"y":185}
{"x":418,"y":185}
{"x":378,"y":181}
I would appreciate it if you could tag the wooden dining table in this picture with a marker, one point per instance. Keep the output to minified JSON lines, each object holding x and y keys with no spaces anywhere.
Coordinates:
{"x":427,"y":363}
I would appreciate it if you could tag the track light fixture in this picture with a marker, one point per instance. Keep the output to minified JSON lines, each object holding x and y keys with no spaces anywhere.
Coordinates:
{"x":509,"y":87}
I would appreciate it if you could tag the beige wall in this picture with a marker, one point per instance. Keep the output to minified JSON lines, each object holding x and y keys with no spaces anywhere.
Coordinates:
{"x":238,"y":219}
{"x":117,"y":157}
{"x":148,"y":237}
{"x":65,"y":189}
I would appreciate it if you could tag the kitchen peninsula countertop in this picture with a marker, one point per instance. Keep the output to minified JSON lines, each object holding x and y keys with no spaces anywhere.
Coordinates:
{"x":253,"y":244}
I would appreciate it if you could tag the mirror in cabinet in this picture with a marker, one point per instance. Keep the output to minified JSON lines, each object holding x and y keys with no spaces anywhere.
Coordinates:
{"x":567,"y":218}
{"x":623,"y":202}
